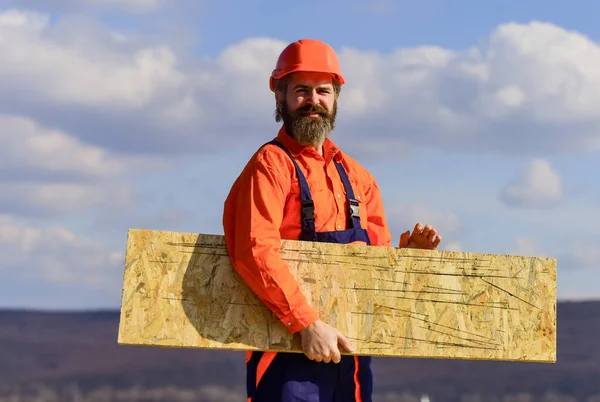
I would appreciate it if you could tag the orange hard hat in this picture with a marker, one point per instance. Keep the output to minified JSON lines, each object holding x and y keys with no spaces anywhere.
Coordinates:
{"x":309,"y":55}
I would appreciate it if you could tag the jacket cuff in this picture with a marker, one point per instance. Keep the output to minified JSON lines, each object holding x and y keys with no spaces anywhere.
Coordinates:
{"x":299,"y":319}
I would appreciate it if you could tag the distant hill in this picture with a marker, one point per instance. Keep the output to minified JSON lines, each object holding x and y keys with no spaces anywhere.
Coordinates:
{"x":67,"y":356}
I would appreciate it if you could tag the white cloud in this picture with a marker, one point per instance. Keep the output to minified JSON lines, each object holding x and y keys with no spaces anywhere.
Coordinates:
{"x":451,"y":246}
{"x":30,"y":149}
{"x":524,"y":84}
{"x":135,"y":6}
{"x":47,"y":172}
{"x":528,"y":88}
{"x":539,"y":186}
{"x":526,"y":246}
{"x":14,"y":19}
{"x":45,"y":199}
{"x":577,"y":255}
{"x":586,"y":255}
{"x":90,"y":76}
{"x":55,"y":254}
{"x":132,"y":95}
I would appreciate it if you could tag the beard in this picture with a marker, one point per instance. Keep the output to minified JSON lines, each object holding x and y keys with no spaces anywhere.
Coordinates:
{"x":305,"y":129}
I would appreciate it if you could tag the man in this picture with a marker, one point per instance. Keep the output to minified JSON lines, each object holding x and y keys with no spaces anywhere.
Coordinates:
{"x":301,"y":186}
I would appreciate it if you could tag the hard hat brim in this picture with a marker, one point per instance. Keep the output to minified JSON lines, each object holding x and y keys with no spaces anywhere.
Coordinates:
{"x":275,"y":77}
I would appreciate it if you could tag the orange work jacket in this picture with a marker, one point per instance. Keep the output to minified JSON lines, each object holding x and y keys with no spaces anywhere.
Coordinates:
{"x":263,"y":207}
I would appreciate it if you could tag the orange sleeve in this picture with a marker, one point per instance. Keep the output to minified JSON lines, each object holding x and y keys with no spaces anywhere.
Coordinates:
{"x":252,"y":217}
{"x":377,"y":227}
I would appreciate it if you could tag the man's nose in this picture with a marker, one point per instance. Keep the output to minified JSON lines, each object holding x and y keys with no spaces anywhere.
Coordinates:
{"x":312,"y":98}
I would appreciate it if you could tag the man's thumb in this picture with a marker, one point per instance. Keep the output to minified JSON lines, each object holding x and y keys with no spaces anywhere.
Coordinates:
{"x":404,"y":239}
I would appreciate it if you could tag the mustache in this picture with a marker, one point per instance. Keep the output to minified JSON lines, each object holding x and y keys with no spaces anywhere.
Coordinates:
{"x":312,"y":109}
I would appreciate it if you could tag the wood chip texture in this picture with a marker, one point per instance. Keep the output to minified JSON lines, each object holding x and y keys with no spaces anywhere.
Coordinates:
{"x":181,"y":290}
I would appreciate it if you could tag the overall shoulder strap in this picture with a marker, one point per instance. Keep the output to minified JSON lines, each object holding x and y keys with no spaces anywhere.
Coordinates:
{"x":353,"y":203}
{"x":308,"y":205}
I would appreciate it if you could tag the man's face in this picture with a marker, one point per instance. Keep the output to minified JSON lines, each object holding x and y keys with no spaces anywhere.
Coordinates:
{"x":309,"y":107}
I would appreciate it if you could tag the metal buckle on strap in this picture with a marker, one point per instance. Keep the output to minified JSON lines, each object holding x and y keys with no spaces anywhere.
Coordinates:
{"x":308,"y":209}
{"x":354,"y":208}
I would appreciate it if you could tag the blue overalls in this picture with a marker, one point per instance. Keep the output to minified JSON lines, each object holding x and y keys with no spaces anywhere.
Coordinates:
{"x":293,"y":376}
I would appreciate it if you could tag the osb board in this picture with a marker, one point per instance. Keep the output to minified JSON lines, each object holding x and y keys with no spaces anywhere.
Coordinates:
{"x":180,"y":290}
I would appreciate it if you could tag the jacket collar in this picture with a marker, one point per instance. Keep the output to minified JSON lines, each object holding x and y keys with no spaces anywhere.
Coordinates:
{"x":330,"y":149}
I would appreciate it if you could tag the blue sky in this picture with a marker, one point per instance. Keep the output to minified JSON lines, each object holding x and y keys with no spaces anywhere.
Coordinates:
{"x":383,"y":25}
{"x":380,"y":25}
{"x":478,"y":118}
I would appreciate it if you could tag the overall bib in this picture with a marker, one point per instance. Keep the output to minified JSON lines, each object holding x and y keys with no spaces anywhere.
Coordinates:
{"x":287,"y":377}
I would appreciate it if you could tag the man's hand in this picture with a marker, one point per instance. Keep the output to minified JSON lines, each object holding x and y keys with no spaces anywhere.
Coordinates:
{"x":320,"y":342}
{"x":424,"y":237}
